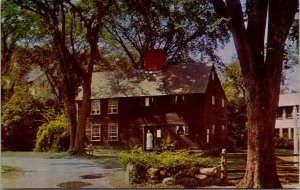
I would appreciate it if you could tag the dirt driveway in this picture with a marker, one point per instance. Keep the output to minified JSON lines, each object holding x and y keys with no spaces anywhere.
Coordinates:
{"x":49,"y":173}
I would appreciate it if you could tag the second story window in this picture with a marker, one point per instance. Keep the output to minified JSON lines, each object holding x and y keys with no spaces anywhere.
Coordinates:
{"x":223,"y":103}
{"x":113,"y":106}
{"x":212,"y":75}
{"x":95,"y":107}
{"x":213,"y":100}
{"x":147,"y":102}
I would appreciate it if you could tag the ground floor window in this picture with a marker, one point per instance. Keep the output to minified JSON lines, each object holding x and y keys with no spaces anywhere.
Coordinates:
{"x":95,"y":132}
{"x":113,"y":132}
{"x":180,"y":129}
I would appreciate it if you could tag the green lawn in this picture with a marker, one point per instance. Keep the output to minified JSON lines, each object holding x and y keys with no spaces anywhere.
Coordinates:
{"x":11,"y":172}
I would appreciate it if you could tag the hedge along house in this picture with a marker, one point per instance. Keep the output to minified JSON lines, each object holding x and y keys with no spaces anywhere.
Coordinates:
{"x":185,"y":102}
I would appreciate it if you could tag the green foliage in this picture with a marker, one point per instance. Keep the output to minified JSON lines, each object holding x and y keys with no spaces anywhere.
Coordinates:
{"x":165,"y":159}
{"x":53,"y":136}
{"x":167,"y":144}
{"x":283,"y":143}
{"x":20,"y":120}
{"x":234,"y":90}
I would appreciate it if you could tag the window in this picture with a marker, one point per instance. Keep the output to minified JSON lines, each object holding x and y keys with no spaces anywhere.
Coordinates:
{"x":223,"y":127}
{"x":175,"y":99}
{"x":95,"y":132}
{"x":213,"y":129}
{"x":95,"y":107}
{"x":180,"y":129}
{"x":207,"y":136}
{"x":212,"y":75}
{"x":213,"y":100}
{"x":223,"y":103}
{"x":113,"y":132}
{"x":147,"y":101}
{"x":113,"y":106}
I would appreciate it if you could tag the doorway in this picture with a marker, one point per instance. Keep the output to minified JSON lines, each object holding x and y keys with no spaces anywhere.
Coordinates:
{"x":151,"y":130}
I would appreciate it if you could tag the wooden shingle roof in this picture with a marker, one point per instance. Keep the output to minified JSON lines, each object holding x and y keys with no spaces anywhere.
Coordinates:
{"x":174,"y":79}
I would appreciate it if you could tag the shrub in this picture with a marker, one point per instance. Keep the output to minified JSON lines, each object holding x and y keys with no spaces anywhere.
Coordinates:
{"x":21,"y":116}
{"x":53,"y":136}
{"x":165,"y":159}
{"x":281,"y":142}
{"x":167,"y":144}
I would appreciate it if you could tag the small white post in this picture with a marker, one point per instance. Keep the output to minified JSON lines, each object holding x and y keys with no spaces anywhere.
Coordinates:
{"x":296,"y":146}
{"x":289,"y":133}
{"x":224,"y":177}
{"x":280,"y":132}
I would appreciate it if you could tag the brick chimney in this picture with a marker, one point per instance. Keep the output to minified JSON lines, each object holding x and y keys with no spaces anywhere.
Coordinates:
{"x":154,"y":60}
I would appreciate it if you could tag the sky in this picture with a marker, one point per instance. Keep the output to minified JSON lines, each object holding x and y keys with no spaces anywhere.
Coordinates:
{"x":292,"y":83}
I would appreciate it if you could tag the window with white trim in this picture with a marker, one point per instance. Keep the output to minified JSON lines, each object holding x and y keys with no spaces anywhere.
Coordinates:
{"x":113,"y":106}
{"x":223,"y":127}
{"x":213,"y":129}
{"x":207,"y":135}
{"x":212,"y":75}
{"x":113,"y":132}
{"x":147,"y":102}
{"x":213,"y":102}
{"x":95,"y":107}
{"x":95,"y":132}
{"x":223,"y":103}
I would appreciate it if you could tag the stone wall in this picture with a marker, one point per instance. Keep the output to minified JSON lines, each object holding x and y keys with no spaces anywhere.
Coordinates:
{"x":187,"y":177}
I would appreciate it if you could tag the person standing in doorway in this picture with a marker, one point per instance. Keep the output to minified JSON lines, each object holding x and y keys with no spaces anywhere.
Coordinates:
{"x":149,"y":141}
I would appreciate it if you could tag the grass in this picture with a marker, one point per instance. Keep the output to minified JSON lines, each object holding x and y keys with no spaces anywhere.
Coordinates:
{"x":11,"y":171}
{"x":34,"y":154}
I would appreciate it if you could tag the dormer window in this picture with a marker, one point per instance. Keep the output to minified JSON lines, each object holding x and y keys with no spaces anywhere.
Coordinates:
{"x":113,"y":106}
{"x":95,"y":107}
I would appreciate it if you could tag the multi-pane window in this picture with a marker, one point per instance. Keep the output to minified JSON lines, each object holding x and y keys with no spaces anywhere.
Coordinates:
{"x":213,"y":102}
{"x":147,"y":101}
{"x":113,"y":106}
{"x":207,"y":135}
{"x":113,"y":132}
{"x":95,"y":132}
{"x":95,"y":107}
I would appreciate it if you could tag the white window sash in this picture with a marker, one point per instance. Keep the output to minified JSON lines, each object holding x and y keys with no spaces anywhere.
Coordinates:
{"x":113,"y":106}
{"x":113,"y":132}
{"x":97,"y":136}
{"x":147,"y":102}
{"x":95,"y":107}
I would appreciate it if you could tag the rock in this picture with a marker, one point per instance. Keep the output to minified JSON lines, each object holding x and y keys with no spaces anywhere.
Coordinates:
{"x":188,"y":182}
{"x":153,"y":181}
{"x":168,"y":181}
{"x":204,"y":180}
{"x":190,"y":172}
{"x":163,"y":173}
{"x":152,"y":173}
{"x":213,"y":172}
{"x":128,"y":176}
{"x":216,"y":181}
{"x":217,"y":172}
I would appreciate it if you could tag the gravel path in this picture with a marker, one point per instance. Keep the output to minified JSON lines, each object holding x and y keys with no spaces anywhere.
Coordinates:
{"x":48,"y":173}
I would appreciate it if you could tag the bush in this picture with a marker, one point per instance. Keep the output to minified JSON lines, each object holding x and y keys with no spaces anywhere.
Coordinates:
{"x":21,"y":116}
{"x":165,"y":160}
{"x":281,"y":142}
{"x":53,"y":136}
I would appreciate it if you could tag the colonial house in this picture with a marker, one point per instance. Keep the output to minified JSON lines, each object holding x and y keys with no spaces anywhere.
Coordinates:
{"x":287,"y":115}
{"x":185,"y":102}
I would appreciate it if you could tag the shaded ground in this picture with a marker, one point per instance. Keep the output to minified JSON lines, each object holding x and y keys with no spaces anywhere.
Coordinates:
{"x":57,"y":172}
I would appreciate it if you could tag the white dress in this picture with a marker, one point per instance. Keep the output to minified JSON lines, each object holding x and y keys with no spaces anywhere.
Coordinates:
{"x":149,"y":141}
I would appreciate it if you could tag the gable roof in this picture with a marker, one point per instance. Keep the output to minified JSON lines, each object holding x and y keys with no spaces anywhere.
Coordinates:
{"x":174,"y":79}
{"x":289,"y":99}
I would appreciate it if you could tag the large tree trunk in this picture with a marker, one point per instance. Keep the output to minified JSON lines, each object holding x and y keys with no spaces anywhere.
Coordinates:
{"x":261,"y":69}
{"x":261,"y":162}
